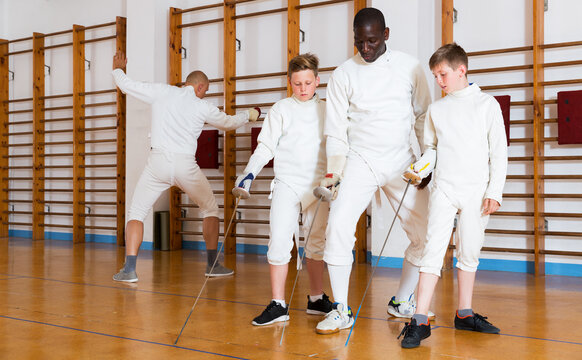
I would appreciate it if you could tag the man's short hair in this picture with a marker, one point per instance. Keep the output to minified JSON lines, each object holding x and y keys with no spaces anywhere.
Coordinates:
{"x":301,"y":62}
{"x":197,"y":77}
{"x":451,"y":54}
{"x":368,"y":16}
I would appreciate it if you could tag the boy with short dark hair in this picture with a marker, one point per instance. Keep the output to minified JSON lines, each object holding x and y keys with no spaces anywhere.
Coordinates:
{"x":292,"y":134}
{"x":465,"y":144}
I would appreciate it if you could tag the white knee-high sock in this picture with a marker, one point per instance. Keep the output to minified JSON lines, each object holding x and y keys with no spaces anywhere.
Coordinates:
{"x":408,"y":281}
{"x":339,"y":277}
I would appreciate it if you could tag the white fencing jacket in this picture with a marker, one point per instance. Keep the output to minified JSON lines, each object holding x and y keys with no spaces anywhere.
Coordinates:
{"x":372,"y":108}
{"x":292,"y":133}
{"x":178,"y":115}
{"x":466,"y":130}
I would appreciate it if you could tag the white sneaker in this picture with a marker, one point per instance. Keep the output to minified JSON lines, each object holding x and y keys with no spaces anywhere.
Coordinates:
{"x":404,"y":309}
{"x":335,"y":320}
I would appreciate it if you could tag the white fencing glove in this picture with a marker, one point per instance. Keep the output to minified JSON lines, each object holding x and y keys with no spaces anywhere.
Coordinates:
{"x":331,"y":181}
{"x":420,"y":169}
{"x":242,"y":185}
{"x":254,"y":114}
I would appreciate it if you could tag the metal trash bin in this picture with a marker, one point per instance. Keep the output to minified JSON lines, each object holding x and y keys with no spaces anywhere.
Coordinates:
{"x":162,"y":230}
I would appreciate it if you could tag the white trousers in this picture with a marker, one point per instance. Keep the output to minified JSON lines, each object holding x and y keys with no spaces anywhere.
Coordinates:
{"x":284,"y":217}
{"x":470,"y":229}
{"x":357,"y":188}
{"x":166,"y":169}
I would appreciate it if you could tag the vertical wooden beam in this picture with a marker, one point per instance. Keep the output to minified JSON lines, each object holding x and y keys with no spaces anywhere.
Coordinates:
{"x":229,"y":156}
{"x":120,"y":45}
{"x":78,"y":134}
{"x":538,"y":134}
{"x":4,"y":128}
{"x":447,"y":21}
{"x":175,"y":77}
{"x":361,"y":246}
{"x":292,"y":34}
{"x":447,"y":38}
{"x":38,"y":136}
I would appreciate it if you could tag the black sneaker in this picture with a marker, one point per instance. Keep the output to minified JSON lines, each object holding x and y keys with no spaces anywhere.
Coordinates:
{"x":272,"y":314}
{"x":319,"y":307}
{"x":413,"y":334}
{"x":475,"y":323}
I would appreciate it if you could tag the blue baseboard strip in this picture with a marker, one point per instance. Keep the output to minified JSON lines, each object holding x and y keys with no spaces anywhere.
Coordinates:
{"x":519,"y":266}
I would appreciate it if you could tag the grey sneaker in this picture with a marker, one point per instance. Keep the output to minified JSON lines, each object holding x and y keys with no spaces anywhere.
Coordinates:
{"x":125,"y":277}
{"x":218,"y":271}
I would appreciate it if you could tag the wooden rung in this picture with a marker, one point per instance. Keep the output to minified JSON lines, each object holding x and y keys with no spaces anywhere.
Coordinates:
{"x":56,"y":190}
{"x":258,"y":91}
{"x":100,"y":104}
{"x":16,"y":190}
{"x":258,"y":76}
{"x":17,"y":178}
{"x":241,"y":134}
{"x":17,"y":223}
{"x":106,"y":203}
{"x":56,"y":120}
{"x":56,"y":46}
{"x":519,"y":177}
{"x":500,"y":51}
{"x":258,"y":222}
{"x":98,"y":166}
{"x":255,"y":207}
{"x":18,"y":133}
{"x":54,"y":96}
{"x":518,"y":196}
{"x":509,"y":232}
{"x":549,"y":121}
{"x":56,"y":213}
{"x":16,"y":156}
{"x":177,"y":12}
{"x":17,"y":167}
{"x":499,"y":69}
{"x":251,"y":236}
{"x":19,"y":52}
{"x":55,"y":178}
{"x":98,"y":141}
{"x":98,"y":178}
{"x":253,"y":105}
{"x":258,"y":13}
{"x":17,"y":40}
{"x":561,"y":82}
{"x":198,"y":23}
{"x":55,"y":108}
{"x":56,"y":143}
{"x":561,"y":177}
{"x":98,"y":92}
{"x":99,"y":116}
{"x":56,"y":155}
{"x":19,"y":111}
{"x":59,"y":131}
{"x":521,"y":140}
{"x":58,"y":226}
{"x":521,"y":122}
{"x":98,"y":190}
{"x":563,"y":253}
{"x":98,"y":227}
{"x":19,"y":122}
{"x":521,"y":103}
{"x":58,"y":202}
{"x":98,"y":26}
{"x":18,"y":212}
{"x":507,"y":250}
{"x":562,"y":63}
{"x":56,"y":33}
{"x":99,"y":153}
{"x":561,"y":44}
{"x":58,"y":166}
{"x":18,"y":201}
{"x":507,"y":86}
{"x":561,"y":196}
{"x":99,"y":39}
{"x":100,"y":215}
{"x":561,"y":233}
{"x":100,"y":128}
{"x":321,"y":3}
{"x":17,"y":100}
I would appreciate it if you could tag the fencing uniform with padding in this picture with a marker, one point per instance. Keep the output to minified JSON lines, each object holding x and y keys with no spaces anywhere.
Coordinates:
{"x":371,"y":111}
{"x":466,"y":130}
{"x":178,"y":117}
{"x":292,"y":134}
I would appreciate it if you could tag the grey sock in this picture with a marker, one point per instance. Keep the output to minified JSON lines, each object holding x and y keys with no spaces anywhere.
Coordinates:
{"x":465,"y":312}
{"x":130,"y":261}
{"x":420,"y":319}
{"x":211,"y":256}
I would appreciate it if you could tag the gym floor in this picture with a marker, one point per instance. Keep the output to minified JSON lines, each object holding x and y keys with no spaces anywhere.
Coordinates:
{"x":57,"y":301}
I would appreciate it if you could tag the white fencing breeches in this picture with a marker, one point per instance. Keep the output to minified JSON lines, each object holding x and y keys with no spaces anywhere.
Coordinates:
{"x":470,"y":229}
{"x":165,"y":169}
{"x":356,"y":189}
{"x":284,"y":217}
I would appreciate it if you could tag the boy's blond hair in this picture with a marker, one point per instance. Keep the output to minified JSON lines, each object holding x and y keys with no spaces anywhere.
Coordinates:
{"x":451,"y":54}
{"x":301,"y":62}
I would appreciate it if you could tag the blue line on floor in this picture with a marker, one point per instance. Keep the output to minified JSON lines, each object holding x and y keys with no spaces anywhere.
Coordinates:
{"x":252,"y":304}
{"x":123,"y":337}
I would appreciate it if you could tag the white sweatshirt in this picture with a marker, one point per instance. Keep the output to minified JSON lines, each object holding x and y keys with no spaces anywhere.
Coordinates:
{"x":292,"y":133}
{"x":466,"y":130}
{"x":178,"y":115}
{"x":372,"y":107}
